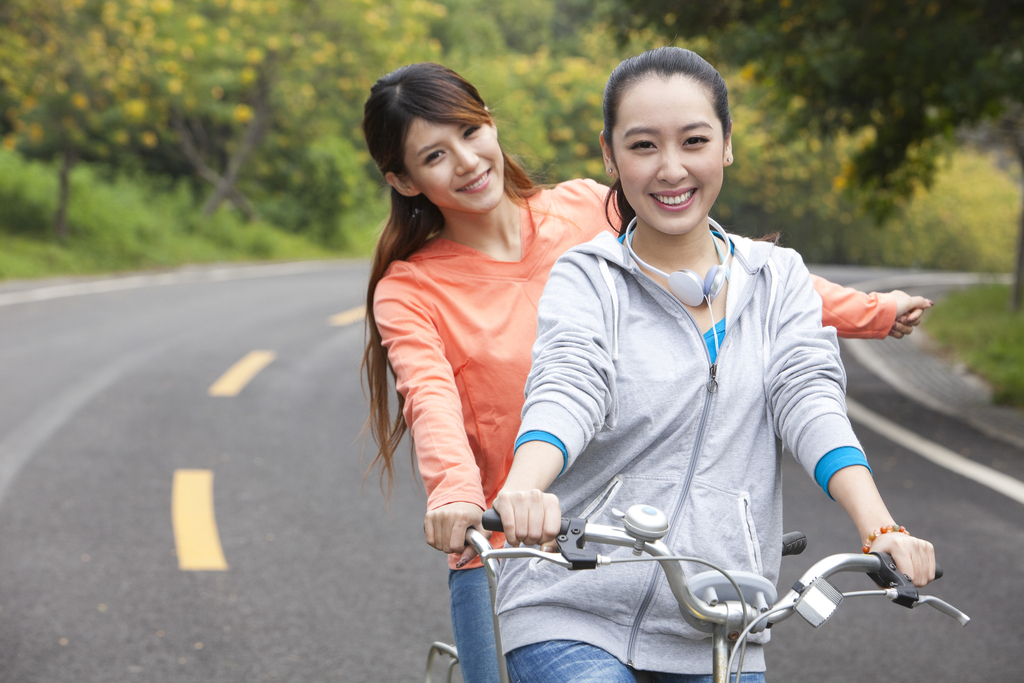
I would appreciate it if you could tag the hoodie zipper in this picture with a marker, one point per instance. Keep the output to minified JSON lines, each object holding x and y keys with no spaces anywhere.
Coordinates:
{"x":712,"y":388}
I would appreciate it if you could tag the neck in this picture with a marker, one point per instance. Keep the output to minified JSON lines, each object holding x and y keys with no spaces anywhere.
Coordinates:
{"x":694,"y":250}
{"x":495,"y":233}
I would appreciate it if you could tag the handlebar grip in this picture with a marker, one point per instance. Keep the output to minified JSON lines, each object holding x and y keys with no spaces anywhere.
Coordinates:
{"x":492,"y":522}
{"x":938,"y":571}
{"x":793,"y":543}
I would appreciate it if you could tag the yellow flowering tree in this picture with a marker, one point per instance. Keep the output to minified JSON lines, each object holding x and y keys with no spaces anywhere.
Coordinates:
{"x":233,"y":77}
{"x":69,"y":83}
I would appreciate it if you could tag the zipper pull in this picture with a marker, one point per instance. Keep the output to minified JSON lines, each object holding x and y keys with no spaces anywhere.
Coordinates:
{"x":713,"y":383}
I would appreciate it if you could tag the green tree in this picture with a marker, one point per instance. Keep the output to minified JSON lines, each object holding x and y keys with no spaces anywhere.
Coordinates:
{"x":900,"y":76}
{"x":68,"y":83}
{"x":284,"y":77}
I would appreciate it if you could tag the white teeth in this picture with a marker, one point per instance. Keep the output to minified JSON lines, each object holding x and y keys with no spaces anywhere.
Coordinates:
{"x":477,"y":184}
{"x":675,"y":201}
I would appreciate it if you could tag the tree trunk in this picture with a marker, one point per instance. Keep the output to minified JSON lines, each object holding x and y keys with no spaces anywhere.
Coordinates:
{"x":195,"y":157}
{"x":1017,"y":288}
{"x":60,"y":221}
{"x":1014,"y":127}
{"x":254,"y":135}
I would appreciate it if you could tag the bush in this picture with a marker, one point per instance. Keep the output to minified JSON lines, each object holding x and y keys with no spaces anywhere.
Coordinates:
{"x":977,"y":324}
{"x":123,"y":223}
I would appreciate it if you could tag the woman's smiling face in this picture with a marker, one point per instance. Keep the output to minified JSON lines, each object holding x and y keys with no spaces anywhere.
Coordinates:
{"x":458,"y":167}
{"x":669,"y":150}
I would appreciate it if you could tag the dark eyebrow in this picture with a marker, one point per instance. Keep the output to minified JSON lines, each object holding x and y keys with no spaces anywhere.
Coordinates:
{"x":426,"y":148}
{"x":640,"y":130}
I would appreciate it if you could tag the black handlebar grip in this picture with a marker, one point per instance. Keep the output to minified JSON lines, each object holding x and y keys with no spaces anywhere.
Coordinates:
{"x":793,"y":543}
{"x":938,"y":571}
{"x":492,"y":522}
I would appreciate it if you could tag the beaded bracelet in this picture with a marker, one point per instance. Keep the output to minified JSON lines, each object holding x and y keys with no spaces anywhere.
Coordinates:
{"x":892,"y":528}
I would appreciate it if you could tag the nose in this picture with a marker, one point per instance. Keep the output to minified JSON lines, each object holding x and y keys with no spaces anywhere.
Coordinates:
{"x":466,"y":159}
{"x":672,"y":169}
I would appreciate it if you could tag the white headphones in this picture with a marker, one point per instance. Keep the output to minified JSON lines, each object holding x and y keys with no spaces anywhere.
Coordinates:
{"x":684,"y":284}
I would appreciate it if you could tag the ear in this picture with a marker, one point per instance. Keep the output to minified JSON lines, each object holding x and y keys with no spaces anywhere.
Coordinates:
{"x":608,"y":157}
{"x":402,"y":184}
{"x":727,"y":154}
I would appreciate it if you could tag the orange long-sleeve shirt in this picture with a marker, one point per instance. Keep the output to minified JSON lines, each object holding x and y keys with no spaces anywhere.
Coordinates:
{"x":459,"y":327}
{"x":855,"y":314}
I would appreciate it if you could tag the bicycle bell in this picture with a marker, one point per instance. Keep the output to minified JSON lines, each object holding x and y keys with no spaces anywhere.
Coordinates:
{"x":645,"y":523}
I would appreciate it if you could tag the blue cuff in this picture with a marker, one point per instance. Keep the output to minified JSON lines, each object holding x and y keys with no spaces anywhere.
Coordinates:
{"x":835,"y":460}
{"x":537,"y":435}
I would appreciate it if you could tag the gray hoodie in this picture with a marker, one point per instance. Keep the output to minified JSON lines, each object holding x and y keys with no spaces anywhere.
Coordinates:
{"x":621,"y":374}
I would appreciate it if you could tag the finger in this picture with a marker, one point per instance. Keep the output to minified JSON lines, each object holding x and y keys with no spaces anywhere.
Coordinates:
{"x":457,"y":536}
{"x":895,"y":333}
{"x":552,"y":519}
{"x":913,"y":317}
{"x":503,"y":507}
{"x":528,"y":520}
{"x":920,"y":302}
{"x":428,"y":530}
{"x":467,"y":556}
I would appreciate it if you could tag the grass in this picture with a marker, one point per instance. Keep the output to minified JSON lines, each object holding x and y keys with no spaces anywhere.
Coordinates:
{"x":129,"y":223}
{"x":977,"y":325}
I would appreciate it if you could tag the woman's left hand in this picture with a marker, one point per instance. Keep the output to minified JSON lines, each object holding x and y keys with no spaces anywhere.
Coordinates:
{"x":914,"y":557}
{"x":908,"y":313}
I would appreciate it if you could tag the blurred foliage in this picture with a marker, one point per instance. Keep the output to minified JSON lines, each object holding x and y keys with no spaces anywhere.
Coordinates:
{"x":976,"y":324}
{"x":194,"y":88}
{"x":125,"y":223}
{"x":254,"y":106}
{"x":798,"y":188}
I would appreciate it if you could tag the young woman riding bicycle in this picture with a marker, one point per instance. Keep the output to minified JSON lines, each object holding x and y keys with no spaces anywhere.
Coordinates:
{"x":667,"y":360}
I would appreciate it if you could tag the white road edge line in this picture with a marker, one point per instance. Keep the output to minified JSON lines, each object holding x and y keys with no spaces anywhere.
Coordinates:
{"x":189,"y":275}
{"x":933,"y":452}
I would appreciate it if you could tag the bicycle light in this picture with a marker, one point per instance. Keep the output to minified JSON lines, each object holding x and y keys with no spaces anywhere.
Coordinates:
{"x":817,"y":602}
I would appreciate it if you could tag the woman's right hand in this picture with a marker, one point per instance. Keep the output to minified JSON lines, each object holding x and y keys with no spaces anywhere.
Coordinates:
{"x":530,"y":517}
{"x":445,"y":527}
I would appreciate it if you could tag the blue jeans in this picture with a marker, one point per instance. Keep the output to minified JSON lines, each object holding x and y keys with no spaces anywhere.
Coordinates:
{"x":473,"y":625}
{"x":569,"y":661}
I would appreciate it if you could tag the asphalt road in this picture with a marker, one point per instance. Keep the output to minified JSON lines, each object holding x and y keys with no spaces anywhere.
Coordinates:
{"x":103,"y":397}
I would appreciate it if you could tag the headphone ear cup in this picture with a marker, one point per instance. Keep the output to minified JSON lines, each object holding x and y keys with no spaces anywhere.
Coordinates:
{"x":714,"y":281}
{"x":686,"y":286}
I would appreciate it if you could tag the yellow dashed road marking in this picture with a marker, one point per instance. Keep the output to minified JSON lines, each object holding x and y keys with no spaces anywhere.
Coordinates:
{"x":241,"y":373}
{"x":352,"y":315}
{"x":195,"y":529}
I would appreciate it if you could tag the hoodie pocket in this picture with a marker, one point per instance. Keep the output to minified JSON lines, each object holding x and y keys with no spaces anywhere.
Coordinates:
{"x":717,"y":524}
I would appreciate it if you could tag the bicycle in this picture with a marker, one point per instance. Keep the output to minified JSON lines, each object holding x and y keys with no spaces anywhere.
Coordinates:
{"x":731,"y":605}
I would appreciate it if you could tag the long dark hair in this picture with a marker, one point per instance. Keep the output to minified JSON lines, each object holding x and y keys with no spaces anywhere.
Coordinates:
{"x":664,"y":62}
{"x":436,"y":94}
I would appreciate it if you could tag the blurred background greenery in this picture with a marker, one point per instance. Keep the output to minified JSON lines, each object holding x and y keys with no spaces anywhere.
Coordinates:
{"x":147,"y":133}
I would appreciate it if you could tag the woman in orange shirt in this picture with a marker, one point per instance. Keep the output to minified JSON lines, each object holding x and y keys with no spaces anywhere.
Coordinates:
{"x":452,"y":303}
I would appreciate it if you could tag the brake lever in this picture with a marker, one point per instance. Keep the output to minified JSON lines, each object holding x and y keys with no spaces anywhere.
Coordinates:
{"x":570,"y":544}
{"x":888,"y":576}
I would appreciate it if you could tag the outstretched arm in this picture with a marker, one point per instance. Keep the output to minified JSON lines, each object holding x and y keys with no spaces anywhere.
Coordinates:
{"x":857,"y":315}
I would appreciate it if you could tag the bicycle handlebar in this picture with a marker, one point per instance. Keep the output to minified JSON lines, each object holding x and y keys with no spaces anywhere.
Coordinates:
{"x":643,"y":530}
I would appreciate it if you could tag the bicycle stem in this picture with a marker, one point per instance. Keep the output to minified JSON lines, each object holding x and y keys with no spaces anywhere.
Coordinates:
{"x":699,"y":614}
